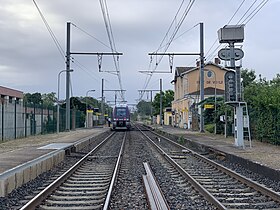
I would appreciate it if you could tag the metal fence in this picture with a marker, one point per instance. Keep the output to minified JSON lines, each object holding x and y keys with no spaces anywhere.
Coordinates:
{"x":18,"y":120}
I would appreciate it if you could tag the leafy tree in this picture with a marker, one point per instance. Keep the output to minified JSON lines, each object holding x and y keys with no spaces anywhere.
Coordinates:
{"x":276,"y":81}
{"x":49,"y":99}
{"x":144,"y":108}
{"x":248,"y":77}
{"x":167,"y":98}
{"x":75,"y":103}
{"x":34,"y":98}
{"x":264,"y":109}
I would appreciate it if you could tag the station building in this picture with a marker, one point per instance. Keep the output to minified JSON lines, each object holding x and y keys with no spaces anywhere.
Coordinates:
{"x":187,"y":92}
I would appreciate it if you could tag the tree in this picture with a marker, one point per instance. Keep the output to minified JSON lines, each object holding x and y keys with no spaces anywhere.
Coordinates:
{"x":263,"y":102}
{"x":49,"y":99}
{"x":167,"y":98}
{"x":276,"y":81}
{"x":144,"y":108}
{"x":34,"y":98}
{"x":248,"y":77}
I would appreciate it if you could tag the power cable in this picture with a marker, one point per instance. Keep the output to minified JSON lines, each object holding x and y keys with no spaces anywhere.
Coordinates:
{"x":246,"y":20}
{"x":57,"y":44}
{"x":177,"y":27}
{"x":255,"y":11}
{"x":247,"y":11}
{"x":84,"y":68}
{"x":106,"y":17}
{"x":87,"y":33}
{"x":217,"y":38}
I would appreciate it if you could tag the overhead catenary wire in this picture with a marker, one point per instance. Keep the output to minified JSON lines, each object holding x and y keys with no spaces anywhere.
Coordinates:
{"x":214,"y":51}
{"x":107,"y":22}
{"x":90,"y":35}
{"x":170,"y":40}
{"x":254,"y":12}
{"x":57,"y":44}
{"x":243,"y":20}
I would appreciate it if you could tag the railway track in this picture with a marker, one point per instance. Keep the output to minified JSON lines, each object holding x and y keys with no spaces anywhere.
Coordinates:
{"x":221,"y":186}
{"x":88,"y":184}
{"x":177,"y":178}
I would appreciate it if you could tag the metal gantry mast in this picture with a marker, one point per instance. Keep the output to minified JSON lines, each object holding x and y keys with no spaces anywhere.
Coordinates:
{"x":68,"y":56}
{"x":201,"y":54}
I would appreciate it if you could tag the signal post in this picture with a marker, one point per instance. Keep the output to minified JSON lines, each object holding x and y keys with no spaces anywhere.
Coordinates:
{"x":232,"y":34}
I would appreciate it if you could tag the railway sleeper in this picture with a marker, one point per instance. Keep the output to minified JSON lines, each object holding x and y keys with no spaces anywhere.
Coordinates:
{"x":76,"y":197}
{"x":44,"y":207}
{"x":75,"y":202}
{"x":78,"y":193}
{"x":249,"y":205}
{"x":84,"y":188}
{"x":78,"y":185}
{"x":88,"y":181}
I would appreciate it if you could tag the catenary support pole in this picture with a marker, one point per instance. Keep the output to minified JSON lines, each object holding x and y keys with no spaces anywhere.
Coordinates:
{"x":68,"y":77}
{"x":160,"y":111}
{"x":201,"y":77}
{"x":102,"y":102}
{"x":151,"y":107}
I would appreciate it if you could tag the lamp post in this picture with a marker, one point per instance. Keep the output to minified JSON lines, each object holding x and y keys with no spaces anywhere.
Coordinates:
{"x":58,"y":83}
{"x":86,"y":107}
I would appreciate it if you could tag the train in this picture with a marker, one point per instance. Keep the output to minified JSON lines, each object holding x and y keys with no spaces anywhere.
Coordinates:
{"x":121,"y":118}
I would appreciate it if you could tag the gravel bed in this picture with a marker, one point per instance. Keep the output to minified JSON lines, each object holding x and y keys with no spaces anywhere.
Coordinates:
{"x":18,"y":197}
{"x":129,"y":192}
{"x":249,"y":174}
{"x":258,"y":177}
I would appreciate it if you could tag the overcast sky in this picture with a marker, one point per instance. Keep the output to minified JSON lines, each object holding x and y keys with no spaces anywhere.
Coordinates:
{"x":30,"y":61}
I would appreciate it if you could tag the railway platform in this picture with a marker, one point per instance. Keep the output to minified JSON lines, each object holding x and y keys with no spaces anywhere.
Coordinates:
{"x":261,"y":158}
{"x":22,"y":160}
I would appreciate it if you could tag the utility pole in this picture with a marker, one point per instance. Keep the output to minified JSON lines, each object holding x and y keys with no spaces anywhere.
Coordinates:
{"x":68,"y":78}
{"x":68,"y":55}
{"x":160,"y":109}
{"x":102,"y":101}
{"x":151,"y":107}
{"x":201,"y":77}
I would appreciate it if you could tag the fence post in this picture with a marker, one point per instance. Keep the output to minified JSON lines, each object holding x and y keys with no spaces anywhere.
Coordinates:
{"x":34,"y":121}
{"x":25,"y":120}
{"x":15,"y":123}
{"x":2,"y":101}
{"x":53,"y":119}
{"x":42,"y":124}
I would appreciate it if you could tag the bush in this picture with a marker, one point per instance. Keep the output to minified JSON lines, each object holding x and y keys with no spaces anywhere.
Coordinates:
{"x":210,"y":128}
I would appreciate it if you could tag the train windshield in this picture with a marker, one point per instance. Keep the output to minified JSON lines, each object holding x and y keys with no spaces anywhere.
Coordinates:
{"x":121,"y":112}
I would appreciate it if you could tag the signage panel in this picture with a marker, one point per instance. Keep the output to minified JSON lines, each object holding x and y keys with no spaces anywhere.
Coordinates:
{"x":209,"y":106}
{"x":224,"y":54}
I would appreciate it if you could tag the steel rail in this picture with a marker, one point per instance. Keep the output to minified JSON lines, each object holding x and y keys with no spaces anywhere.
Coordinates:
{"x":154,"y":194}
{"x":264,"y":190}
{"x":115,"y":174}
{"x":34,"y":202}
{"x":196,"y":184}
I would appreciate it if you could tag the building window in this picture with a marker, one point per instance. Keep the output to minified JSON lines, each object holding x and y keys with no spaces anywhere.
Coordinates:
{"x":210,"y":74}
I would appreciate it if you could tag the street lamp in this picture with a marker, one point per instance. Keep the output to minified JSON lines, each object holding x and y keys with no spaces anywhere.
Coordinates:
{"x":86,"y":123}
{"x":58,"y":83}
